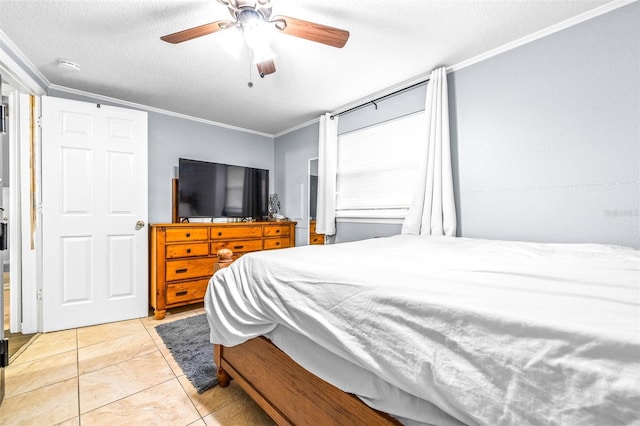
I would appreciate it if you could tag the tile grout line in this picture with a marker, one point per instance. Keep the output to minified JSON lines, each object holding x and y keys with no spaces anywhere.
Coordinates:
{"x":190,"y":400}
{"x":134,"y":393}
{"x":122,"y":360}
{"x":173,"y":372}
{"x":15,"y":359}
{"x":24,"y":348}
{"x":127,"y":396}
{"x":76,"y":348}
{"x":24,"y":392}
{"x":159,"y":350}
{"x":104,"y":367}
{"x":164,"y":345}
{"x":175,"y":376}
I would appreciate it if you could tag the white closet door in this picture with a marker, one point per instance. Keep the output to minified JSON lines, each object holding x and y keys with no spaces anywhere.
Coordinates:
{"x":94,"y":214}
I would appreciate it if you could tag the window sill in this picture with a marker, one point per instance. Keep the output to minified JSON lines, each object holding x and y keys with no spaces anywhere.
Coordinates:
{"x":387,"y":220}
{"x":390,"y":216}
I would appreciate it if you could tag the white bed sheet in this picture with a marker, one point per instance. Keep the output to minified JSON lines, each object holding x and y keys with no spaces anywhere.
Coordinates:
{"x":490,"y":332}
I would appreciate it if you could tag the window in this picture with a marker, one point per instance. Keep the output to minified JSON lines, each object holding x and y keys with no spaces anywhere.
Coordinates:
{"x":378,"y":168}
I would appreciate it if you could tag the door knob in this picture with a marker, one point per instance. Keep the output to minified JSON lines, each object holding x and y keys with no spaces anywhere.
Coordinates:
{"x":139,"y":224}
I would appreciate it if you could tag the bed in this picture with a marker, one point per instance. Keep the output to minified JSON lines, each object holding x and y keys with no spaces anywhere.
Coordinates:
{"x":433,"y":330}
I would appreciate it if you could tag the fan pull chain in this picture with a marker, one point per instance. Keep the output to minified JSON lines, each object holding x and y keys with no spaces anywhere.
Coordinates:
{"x":250,"y":83}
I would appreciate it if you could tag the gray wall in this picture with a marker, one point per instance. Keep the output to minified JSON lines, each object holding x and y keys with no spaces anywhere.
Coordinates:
{"x":292,"y":154}
{"x":545,"y":141}
{"x":173,"y":137}
{"x":545,"y":138}
{"x":395,"y":106}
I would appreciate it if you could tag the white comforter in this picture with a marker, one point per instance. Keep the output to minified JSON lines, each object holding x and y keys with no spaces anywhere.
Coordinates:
{"x":476,"y":331}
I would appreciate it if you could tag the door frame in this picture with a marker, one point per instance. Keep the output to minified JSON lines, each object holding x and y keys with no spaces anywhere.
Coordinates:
{"x":25,"y":247}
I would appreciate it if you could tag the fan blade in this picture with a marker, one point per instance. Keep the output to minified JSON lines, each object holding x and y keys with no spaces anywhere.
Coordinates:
{"x":311,"y":31}
{"x":196,"y":32}
{"x":266,"y":67}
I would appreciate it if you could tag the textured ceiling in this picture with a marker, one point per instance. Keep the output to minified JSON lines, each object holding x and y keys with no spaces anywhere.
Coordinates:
{"x":117,"y":45}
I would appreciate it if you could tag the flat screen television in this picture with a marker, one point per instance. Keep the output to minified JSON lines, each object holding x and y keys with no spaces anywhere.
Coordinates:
{"x":215,"y":190}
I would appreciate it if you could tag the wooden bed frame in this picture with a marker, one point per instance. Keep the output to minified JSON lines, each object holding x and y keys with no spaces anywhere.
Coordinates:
{"x":286,"y":391}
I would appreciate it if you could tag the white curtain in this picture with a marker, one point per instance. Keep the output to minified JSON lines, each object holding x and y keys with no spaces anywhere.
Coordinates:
{"x":327,"y":165}
{"x":433,"y":210}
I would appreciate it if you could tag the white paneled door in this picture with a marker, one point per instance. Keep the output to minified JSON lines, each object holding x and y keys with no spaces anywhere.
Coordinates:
{"x":94,"y":214}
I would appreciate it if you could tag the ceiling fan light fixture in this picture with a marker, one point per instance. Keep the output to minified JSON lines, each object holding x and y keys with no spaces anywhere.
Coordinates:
{"x":232,"y":41}
{"x":257,"y":35}
{"x":263,"y":54}
{"x":253,"y":18}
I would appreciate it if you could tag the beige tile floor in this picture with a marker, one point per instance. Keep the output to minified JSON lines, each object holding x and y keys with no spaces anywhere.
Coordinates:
{"x":115,"y":374}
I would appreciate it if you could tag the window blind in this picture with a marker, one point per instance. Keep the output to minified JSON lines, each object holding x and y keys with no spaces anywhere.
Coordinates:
{"x":378,"y":167}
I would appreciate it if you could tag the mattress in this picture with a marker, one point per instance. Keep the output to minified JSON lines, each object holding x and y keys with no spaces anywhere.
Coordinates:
{"x":442,"y":330}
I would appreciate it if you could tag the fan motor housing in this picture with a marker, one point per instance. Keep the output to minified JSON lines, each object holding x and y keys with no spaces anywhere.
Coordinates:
{"x":237,"y":7}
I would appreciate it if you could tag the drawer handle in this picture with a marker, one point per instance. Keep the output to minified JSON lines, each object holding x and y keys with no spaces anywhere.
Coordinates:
{"x":219,"y":234}
{"x":181,"y":293}
{"x":181,"y":271}
{"x":278,"y":243}
{"x":188,"y":250}
{"x":277,"y":231}
{"x":238,"y":247}
{"x":188,"y":234}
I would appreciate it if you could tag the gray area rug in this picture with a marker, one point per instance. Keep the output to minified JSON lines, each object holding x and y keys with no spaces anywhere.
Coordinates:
{"x":188,"y":341}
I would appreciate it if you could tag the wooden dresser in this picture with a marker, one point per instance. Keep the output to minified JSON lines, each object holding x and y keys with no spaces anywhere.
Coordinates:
{"x":314,"y":237}
{"x":183,"y":254}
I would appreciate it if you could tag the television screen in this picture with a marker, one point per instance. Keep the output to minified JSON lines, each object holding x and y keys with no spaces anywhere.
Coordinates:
{"x":218,"y":190}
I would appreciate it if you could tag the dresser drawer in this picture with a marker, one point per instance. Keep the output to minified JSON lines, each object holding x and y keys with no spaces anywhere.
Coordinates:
{"x":238,"y":246}
{"x":187,"y":250}
{"x":275,"y":243}
{"x":273,"y":231}
{"x":235,"y":232}
{"x":188,"y":292}
{"x":186,"y":234}
{"x":190,"y":268}
{"x":316,"y":239}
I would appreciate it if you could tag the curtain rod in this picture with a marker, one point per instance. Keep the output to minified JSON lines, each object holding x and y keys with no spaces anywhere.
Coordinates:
{"x":404,"y":89}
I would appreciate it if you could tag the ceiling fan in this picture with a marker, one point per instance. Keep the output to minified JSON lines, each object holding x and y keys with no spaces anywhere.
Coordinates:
{"x":253,"y":18}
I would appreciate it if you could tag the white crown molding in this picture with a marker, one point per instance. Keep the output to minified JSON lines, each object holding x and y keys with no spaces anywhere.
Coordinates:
{"x":598,"y":11}
{"x":593,"y":13}
{"x":18,"y":73}
{"x":15,"y":73}
{"x":299,"y":126}
{"x":153,"y":109}
{"x":360,"y":101}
